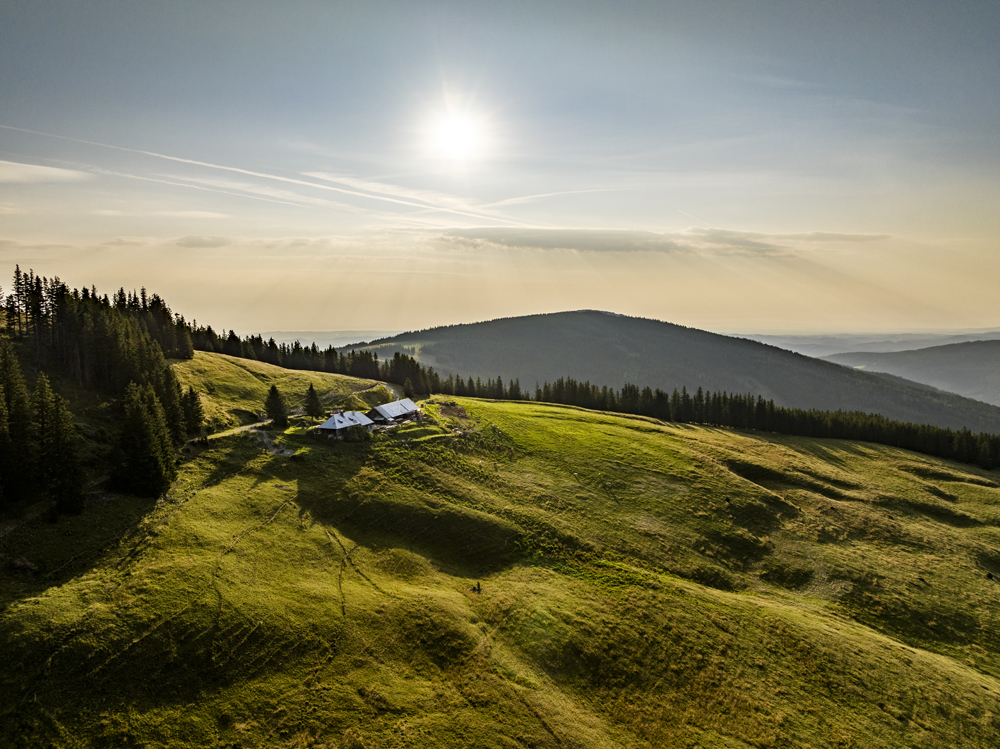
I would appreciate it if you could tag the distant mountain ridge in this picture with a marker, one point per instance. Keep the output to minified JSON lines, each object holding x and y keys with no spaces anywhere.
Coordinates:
{"x":611,"y":349}
{"x":825,"y":346}
{"x":971,"y":369}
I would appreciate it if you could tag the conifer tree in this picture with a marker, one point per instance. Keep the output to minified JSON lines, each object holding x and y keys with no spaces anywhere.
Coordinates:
{"x":194,"y":413}
{"x":19,"y":458}
{"x":408,"y":388}
{"x":313,"y":405}
{"x":145,"y":451}
{"x":276,"y":408}
{"x":4,"y":446}
{"x":59,"y":464}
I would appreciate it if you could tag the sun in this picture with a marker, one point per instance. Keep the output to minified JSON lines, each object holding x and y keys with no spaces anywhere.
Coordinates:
{"x":457,"y":137}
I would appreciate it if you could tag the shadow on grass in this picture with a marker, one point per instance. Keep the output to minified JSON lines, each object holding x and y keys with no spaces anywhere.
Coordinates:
{"x":365,"y":492}
{"x":39,"y":554}
{"x":237,"y":452}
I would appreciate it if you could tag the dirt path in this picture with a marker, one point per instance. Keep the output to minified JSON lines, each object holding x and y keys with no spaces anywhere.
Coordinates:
{"x":230,"y":432}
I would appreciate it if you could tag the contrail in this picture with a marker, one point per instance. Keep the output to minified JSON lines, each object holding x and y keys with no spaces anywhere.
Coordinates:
{"x":110,"y":173}
{"x":526,"y":198}
{"x":262,"y":175}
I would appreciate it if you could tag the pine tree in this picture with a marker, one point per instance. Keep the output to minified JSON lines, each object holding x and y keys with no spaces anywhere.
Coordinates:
{"x":408,"y":388}
{"x":58,"y":458}
{"x":313,"y":405}
{"x":19,"y":458}
{"x":145,"y":452}
{"x":194,"y":413}
{"x":4,"y":446}
{"x":276,"y":408}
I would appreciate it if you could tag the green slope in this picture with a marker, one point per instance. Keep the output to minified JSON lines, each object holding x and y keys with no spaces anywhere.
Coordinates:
{"x":971,"y":369}
{"x":609,"y":349}
{"x":642,"y":586}
{"x":233,"y":390}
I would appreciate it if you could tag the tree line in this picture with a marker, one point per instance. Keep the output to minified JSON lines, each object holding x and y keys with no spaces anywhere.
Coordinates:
{"x":118,"y":346}
{"x":38,"y":443}
{"x":748,"y":411}
{"x":121,"y":344}
{"x":719,"y":408}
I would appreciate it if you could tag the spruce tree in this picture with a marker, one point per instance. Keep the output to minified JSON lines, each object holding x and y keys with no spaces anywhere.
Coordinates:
{"x":194,"y":414}
{"x":19,"y":458}
{"x":313,"y":405}
{"x":408,"y":388}
{"x":58,"y":458}
{"x":4,"y":446}
{"x":42,"y":407}
{"x":145,"y":450}
{"x":276,"y":408}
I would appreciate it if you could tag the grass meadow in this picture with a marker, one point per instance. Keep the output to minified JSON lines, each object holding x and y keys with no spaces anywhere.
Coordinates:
{"x":642,"y":585}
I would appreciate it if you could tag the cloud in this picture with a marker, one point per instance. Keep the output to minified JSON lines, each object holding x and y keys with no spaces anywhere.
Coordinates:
{"x":9,"y":209}
{"x":123,"y":242}
{"x":735,"y":242}
{"x":432,"y":198}
{"x":581,"y":240}
{"x":826,"y":236}
{"x":202,"y":241}
{"x":705,"y":241}
{"x":15,"y":172}
{"x":229,"y":185}
{"x":540,"y":196}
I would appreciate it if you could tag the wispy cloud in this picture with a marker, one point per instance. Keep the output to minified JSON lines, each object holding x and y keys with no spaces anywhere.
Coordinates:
{"x":203,"y":241}
{"x":431,"y":198}
{"x":236,"y":187}
{"x":542,"y":195}
{"x":16,"y":172}
{"x":175,"y":183}
{"x":580,"y":240}
{"x":264,"y":175}
{"x":693,"y":240}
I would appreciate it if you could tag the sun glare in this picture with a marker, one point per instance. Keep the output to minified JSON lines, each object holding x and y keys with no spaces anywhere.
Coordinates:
{"x":457,"y":138}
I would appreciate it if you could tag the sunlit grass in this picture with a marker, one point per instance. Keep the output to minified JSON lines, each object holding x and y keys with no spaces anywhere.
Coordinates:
{"x":642,"y":585}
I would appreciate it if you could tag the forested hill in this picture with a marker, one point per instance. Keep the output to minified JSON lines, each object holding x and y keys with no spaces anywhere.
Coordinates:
{"x":609,"y":349}
{"x":971,"y":369}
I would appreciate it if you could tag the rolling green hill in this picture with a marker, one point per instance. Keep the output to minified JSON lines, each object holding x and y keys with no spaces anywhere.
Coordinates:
{"x":643,"y":585}
{"x":971,"y":369}
{"x":609,"y":349}
{"x":233,"y":390}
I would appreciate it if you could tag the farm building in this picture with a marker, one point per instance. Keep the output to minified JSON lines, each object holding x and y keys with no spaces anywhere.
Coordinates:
{"x":338,"y":424}
{"x":396,"y":411}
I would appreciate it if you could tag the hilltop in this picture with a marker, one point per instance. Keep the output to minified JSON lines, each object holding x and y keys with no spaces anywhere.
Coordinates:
{"x":970,"y":369}
{"x":609,"y":349}
{"x":643,"y":585}
{"x":232,"y":389}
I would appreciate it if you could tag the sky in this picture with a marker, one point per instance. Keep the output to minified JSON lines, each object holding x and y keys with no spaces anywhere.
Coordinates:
{"x":769,"y":167}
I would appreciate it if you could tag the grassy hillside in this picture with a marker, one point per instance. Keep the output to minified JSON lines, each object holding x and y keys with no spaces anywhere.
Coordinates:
{"x":970,"y":369}
{"x":642,"y":586}
{"x":610,"y":350}
{"x":233,"y":390}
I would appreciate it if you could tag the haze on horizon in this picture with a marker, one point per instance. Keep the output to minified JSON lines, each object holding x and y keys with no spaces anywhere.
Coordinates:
{"x":733,"y":166}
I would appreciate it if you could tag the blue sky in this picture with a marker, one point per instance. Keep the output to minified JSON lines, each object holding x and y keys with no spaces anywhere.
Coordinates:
{"x":318,"y":166}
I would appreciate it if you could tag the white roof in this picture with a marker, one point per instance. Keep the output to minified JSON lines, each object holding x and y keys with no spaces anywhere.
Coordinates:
{"x":346,"y":419}
{"x":396,"y":409}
